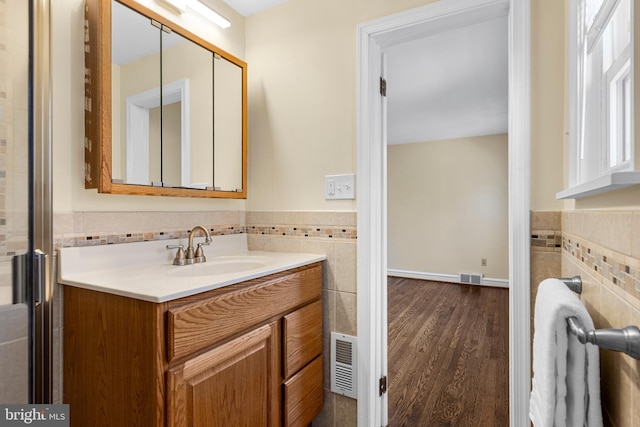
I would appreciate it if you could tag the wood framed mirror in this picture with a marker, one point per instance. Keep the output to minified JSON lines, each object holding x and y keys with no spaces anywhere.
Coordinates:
{"x":165,"y":110}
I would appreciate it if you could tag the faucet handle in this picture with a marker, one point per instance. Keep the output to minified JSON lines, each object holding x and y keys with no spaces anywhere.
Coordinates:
{"x":199,"y":257}
{"x":180,"y":257}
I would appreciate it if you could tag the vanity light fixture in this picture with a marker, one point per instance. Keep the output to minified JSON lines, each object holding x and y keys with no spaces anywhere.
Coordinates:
{"x":201,"y":9}
{"x":181,"y":5}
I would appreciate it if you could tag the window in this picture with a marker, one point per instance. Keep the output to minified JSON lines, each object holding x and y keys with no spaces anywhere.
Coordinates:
{"x":601,"y":94}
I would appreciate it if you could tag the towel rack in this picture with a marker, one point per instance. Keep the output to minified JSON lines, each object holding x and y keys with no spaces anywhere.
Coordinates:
{"x":574,"y":283}
{"x":626,"y":340}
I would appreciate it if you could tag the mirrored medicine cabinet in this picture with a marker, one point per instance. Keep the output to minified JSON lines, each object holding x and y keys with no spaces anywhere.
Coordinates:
{"x":165,"y":111}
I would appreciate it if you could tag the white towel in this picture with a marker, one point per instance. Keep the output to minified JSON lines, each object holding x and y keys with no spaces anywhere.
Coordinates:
{"x":566,"y":373}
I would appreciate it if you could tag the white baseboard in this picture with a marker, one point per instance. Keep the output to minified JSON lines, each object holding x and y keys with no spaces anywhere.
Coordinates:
{"x":497,"y":283}
{"x":439,"y":277}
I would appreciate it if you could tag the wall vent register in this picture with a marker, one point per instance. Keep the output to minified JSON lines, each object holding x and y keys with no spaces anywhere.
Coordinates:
{"x":470,"y":278}
{"x":343,"y":365}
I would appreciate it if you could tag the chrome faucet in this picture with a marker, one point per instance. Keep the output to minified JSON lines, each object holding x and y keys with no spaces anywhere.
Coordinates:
{"x":197,"y":256}
{"x":191,"y":256}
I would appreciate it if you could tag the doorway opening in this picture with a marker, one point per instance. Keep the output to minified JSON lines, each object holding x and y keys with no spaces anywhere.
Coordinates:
{"x":373,"y":38}
{"x":447,"y":222}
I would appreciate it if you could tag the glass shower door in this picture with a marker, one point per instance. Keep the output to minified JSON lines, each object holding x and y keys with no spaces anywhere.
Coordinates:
{"x":14,"y":203}
{"x":25,"y":285}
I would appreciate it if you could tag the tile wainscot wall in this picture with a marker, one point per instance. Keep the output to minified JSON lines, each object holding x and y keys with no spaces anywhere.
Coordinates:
{"x":603,"y":247}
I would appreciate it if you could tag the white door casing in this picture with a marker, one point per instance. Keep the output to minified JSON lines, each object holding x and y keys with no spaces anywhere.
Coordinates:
{"x":373,"y":37}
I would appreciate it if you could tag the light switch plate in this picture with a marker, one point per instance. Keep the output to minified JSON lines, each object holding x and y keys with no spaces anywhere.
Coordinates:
{"x":340,"y":187}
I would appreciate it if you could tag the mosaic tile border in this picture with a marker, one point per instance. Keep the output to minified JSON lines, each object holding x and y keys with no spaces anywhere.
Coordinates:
{"x":615,"y":268}
{"x":304,"y":231}
{"x":546,"y":241}
{"x":107,"y":238}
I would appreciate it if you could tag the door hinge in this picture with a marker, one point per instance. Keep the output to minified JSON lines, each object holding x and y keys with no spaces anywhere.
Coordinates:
{"x":383,"y":87}
{"x":382,"y":385}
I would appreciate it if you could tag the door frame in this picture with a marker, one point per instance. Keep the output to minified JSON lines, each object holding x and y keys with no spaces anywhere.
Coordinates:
{"x":373,"y":37}
{"x":40,"y":280}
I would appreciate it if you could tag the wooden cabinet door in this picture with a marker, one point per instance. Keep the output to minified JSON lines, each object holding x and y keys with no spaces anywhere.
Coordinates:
{"x":303,"y":395}
{"x":236,"y":384}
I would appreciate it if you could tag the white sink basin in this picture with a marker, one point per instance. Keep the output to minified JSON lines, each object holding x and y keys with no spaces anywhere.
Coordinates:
{"x":145,"y":270}
{"x":221,"y":265}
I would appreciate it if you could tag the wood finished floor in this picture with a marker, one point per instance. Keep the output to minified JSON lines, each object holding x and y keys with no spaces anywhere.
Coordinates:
{"x":448,"y":354}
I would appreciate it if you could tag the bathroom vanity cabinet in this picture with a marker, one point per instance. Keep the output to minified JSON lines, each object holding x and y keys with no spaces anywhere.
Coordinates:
{"x":249,"y":354}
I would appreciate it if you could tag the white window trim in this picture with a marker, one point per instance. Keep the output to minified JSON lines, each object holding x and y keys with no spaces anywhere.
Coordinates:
{"x":620,"y":176}
{"x":611,"y":80}
{"x":609,"y":182}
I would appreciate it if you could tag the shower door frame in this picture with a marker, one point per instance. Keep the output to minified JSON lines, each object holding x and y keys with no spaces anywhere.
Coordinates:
{"x":40,"y":283}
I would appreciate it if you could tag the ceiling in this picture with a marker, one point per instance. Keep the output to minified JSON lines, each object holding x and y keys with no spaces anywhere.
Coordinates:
{"x":249,"y":7}
{"x":449,"y":85}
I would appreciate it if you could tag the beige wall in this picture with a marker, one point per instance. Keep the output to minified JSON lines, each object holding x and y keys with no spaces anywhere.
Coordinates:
{"x":172,"y":143}
{"x":298,"y":136}
{"x":302,"y":99}
{"x":447,"y":206}
{"x":154,"y":145}
{"x":228,"y":125}
{"x":128,"y":80}
{"x":547,"y":103}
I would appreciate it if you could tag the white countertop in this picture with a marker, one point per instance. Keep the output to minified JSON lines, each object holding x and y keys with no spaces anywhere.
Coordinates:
{"x":145,"y":271}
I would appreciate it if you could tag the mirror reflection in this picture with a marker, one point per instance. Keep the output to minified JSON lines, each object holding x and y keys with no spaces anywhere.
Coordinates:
{"x":188,"y":161}
{"x":135,"y":91}
{"x":177,"y":109}
{"x":228,"y":111}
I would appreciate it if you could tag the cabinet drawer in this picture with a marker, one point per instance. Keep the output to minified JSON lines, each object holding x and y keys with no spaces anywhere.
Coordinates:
{"x":303,"y":398}
{"x":302,"y":337}
{"x":197,"y":325}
